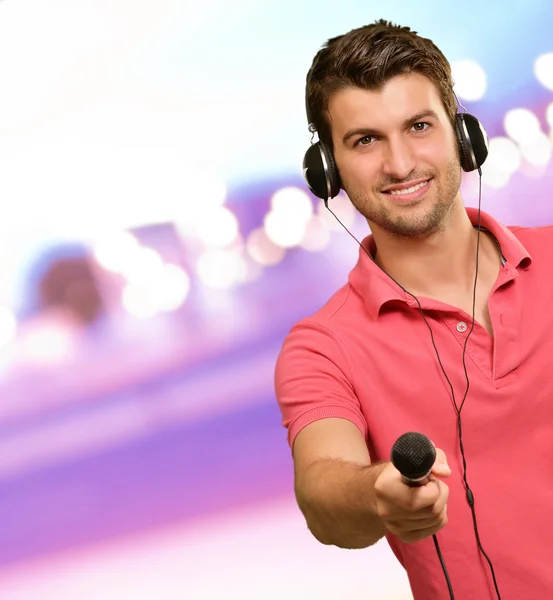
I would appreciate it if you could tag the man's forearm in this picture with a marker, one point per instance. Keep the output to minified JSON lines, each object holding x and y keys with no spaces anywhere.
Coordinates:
{"x":338,"y":501}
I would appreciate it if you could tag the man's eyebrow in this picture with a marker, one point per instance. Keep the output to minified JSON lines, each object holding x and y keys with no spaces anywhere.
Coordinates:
{"x":365,"y":131}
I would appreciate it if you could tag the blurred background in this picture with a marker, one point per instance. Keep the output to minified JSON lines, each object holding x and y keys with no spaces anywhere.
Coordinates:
{"x":157,"y":243}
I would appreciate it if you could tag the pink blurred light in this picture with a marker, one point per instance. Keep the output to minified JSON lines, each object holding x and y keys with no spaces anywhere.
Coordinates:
{"x":47,"y":340}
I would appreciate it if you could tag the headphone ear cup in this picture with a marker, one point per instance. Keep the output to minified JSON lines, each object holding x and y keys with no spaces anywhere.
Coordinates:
{"x":472,"y":140}
{"x":333,"y":175}
{"x":320,"y":172}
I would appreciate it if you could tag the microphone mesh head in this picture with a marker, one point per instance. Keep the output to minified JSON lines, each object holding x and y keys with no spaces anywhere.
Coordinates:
{"x":413,"y":455}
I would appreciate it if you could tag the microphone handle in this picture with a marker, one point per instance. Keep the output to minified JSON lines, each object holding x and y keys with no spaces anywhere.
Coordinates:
{"x":416,"y":482}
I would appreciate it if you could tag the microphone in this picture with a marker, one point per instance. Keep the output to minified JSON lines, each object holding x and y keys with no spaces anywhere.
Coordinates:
{"x":413,"y":455}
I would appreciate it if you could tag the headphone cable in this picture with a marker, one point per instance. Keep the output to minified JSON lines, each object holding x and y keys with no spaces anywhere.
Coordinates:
{"x":469,"y":493}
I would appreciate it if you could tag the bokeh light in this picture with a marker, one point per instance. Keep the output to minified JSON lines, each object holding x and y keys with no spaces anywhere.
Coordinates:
{"x":317,"y":234}
{"x":469,"y":78}
{"x":218,"y":228}
{"x":504,"y":155}
{"x":115,"y":250}
{"x":262,"y":249}
{"x":48,"y":343}
{"x":221,"y":269}
{"x":284,"y":230}
{"x":494,"y":177}
{"x":142,"y":266}
{"x":166,"y":290}
{"x":537,"y":152}
{"x":173,"y":287}
{"x":543,"y":69}
{"x":522,"y":125}
{"x":292,"y":202}
{"x":140,"y":300}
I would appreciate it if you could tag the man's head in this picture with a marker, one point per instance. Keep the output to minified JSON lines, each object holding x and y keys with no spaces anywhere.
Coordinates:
{"x":368,"y":57}
{"x":381,"y":99}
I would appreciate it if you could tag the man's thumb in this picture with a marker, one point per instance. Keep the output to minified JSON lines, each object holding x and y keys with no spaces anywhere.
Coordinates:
{"x":440,"y":467}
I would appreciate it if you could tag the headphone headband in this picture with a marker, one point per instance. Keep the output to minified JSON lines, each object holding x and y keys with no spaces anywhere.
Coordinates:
{"x":308,"y":113}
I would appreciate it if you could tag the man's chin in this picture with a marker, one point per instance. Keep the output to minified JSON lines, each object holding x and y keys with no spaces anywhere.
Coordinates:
{"x":418,"y":224}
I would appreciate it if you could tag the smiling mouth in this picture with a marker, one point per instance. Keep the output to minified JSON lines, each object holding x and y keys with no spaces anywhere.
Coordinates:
{"x":408,"y":190}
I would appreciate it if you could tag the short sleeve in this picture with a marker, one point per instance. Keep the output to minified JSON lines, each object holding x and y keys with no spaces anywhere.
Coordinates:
{"x":313,"y":381}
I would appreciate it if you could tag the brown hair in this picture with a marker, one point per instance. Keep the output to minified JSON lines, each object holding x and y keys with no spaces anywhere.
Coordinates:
{"x":367,"y":58}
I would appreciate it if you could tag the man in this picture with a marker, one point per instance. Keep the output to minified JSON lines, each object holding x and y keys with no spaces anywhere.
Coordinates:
{"x":386,"y":354}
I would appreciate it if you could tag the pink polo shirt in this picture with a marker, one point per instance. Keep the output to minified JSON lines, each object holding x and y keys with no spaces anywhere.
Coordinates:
{"x":367,"y":356}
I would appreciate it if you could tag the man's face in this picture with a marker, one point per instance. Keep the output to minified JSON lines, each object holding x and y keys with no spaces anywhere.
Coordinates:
{"x":392,"y":139}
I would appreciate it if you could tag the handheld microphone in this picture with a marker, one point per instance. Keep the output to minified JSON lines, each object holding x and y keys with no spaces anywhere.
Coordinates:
{"x":413,"y":455}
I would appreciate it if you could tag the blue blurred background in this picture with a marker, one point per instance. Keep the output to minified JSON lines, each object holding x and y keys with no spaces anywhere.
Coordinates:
{"x":157,"y":243}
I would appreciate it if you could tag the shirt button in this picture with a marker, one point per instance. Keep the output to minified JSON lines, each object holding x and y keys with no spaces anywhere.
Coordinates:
{"x":461,"y":327}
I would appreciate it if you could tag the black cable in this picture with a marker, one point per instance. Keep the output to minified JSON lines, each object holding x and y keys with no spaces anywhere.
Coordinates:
{"x":444,"y":569}
{"x":469,"y":494}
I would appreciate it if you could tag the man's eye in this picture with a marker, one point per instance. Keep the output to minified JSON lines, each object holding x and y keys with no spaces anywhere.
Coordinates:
{"x":364,"y":141}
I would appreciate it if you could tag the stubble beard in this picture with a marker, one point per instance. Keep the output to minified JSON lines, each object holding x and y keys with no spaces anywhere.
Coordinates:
{"x":420,"y":224}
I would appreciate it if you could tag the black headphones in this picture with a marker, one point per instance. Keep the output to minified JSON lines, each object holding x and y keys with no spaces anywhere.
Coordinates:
{"x":322,"y":175}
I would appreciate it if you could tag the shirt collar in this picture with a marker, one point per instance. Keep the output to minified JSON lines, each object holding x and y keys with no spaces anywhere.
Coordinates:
{"x":377,"y":288}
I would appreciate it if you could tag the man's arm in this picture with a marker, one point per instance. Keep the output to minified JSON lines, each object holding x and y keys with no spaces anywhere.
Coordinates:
{"x":346,"y":500}
{"x":334,"y":484}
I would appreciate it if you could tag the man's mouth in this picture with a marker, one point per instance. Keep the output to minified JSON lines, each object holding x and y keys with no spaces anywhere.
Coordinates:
{"x":408,"y":190}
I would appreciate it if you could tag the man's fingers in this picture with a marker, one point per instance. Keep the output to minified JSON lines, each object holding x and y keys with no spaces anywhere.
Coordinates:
{"x":428,"y":500}
{"x":440,"y":467}
{"x":422,"y":524}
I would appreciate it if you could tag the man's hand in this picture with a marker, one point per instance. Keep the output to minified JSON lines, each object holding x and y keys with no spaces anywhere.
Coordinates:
{"x":413,"y":513}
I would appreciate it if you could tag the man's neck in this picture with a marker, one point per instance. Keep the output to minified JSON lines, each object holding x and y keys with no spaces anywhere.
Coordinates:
{"x":443,"y":262}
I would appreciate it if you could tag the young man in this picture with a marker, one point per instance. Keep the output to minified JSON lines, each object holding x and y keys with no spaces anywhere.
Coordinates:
{"x":385,"y":356}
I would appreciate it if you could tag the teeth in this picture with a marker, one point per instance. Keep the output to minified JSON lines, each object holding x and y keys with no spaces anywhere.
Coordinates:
{"x":408,"y":190}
